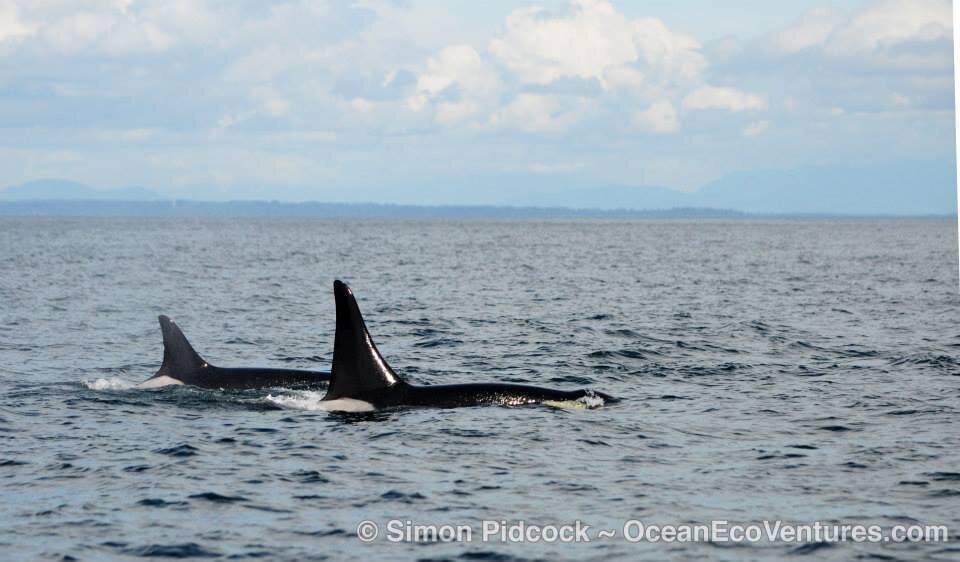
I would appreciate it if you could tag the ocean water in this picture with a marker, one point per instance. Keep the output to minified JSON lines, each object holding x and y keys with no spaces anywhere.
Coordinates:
{"x":792,"y":371}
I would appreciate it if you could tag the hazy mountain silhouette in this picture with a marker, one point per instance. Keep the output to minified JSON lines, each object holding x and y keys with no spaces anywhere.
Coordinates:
{"x":914,"y":188}
{"x":60,"y":189}
{"x":188,"y":208}
{"x":905,"y":188}
{"x":900,"y":188}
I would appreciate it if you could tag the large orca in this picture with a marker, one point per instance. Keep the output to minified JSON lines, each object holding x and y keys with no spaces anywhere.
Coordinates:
{"x":183,"y":365}
{"x":361,"y":380}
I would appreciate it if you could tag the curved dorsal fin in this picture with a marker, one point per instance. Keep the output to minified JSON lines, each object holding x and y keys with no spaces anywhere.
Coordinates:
{"x":358,"y":368}
{"x":179,"y":357}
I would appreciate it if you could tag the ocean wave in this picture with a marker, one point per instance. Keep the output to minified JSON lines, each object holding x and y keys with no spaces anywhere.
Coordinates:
{"x":302,"y":400}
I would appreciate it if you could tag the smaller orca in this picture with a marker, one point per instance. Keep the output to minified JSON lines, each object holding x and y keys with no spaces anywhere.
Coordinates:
{"x":183,"y":365}
{"x":361,"y":380}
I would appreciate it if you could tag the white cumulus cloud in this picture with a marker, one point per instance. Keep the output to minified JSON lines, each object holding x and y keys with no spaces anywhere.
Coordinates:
{"x":457,"y":83}
{"x":874,"y":33}
{"x":891,"y":22}
{"x":595,"y":41}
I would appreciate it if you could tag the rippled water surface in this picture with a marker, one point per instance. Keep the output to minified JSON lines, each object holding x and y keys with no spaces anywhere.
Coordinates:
{"x":794,"y":370}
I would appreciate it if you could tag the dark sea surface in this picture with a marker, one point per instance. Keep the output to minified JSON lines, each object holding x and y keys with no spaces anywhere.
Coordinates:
{"x":801,"y":371}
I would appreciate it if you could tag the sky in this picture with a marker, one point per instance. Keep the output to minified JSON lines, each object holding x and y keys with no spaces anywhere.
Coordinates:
{"x":297,"y":100}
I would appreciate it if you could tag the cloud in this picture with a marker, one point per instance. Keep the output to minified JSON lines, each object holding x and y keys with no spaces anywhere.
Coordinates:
{"x":11,"y":26}
{"x":660,"y":117}
{"x":538,"y":113}
{"x":113,"y":29}
{"x":903,"y":33}
{"x":595,"y":42}
{"x":540,"y":49}
{"x":888,"y":23}
{"x":457,"y":84}
{"x":730,"y":99}
{"x":535,"y":75}
{"x":886,"y":57}
{"x":384,"y":90}
{"x":810,"y":30}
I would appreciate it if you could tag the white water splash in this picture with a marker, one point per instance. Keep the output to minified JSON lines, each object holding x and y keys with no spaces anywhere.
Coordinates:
{"x":113,"y":383}
{"x":592,"y":400}
{"x":311,"y":400}
{"x":587,"y":402}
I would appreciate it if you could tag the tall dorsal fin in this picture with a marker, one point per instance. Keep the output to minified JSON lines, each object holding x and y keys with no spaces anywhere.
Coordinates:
{"x":358,"y":368}
{"x":179,"y":358}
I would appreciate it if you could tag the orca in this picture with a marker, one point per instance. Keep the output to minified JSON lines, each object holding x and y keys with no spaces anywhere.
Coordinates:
{"x":361,"y":380}
{"x":183,"y":365}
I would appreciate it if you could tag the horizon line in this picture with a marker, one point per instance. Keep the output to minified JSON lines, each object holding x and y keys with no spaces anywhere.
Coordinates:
{"x":159,"y":205}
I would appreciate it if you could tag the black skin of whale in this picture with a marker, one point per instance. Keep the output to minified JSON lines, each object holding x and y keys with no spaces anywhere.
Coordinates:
{"x":182,"y":363}
{"x":475,"y":394}
{"x":359,"y":372}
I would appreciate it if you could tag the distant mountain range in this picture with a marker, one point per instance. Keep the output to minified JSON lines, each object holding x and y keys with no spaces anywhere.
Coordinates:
{"x":188,"y":208}
{"x":47,"y":189}
{"x":902,"y":188}
{"x":893,"y":189}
